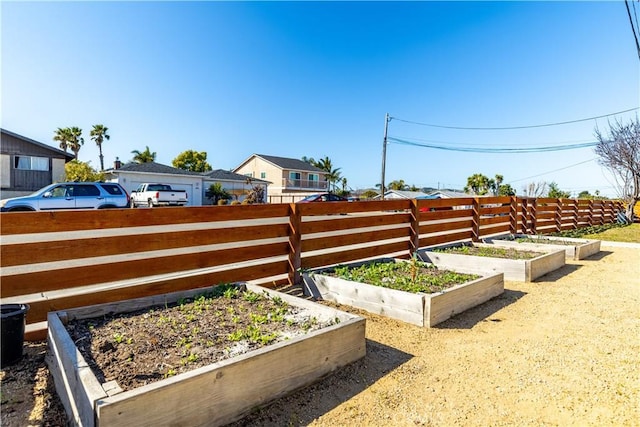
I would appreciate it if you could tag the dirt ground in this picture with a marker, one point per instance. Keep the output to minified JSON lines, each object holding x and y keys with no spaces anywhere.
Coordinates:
{"x":564,"y":350}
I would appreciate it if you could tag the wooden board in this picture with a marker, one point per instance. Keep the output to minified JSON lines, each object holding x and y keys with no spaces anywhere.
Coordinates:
{"x":516,"y":270}
{"x":580,"y":250}
{"x":419,"y":309}
{"x":220,"y":393}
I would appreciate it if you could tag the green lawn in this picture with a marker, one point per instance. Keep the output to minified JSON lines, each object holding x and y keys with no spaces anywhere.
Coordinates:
{"x":629,"y":233}
{"x":611,"y":232}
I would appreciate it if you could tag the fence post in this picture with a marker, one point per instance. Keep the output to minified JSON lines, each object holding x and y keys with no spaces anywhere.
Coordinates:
{"x":590,"y":213}
{"x":513,"y":215}
{"x":531,"y":213}
{"x":414,"y":243}
{"x":575,"y":213}
{"x":559,"y":203}
{"x":475,"y":229}
{"x":295,"y":244}
{"x":523,"y":216}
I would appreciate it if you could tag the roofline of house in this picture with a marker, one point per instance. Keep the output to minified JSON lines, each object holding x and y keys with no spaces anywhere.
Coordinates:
{"x":40,"y":144}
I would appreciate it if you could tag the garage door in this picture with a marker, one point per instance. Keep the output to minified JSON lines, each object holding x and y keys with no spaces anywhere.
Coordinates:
{"x":188,"y":188}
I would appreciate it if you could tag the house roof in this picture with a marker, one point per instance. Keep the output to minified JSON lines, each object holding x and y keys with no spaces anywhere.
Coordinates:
{"x":405,"y":194}
{"x":225,"y":175}
{"x":153,"y":167}
{"x":55,"y":150}
{"x":286,"y":163}
{"x":448,"y":194}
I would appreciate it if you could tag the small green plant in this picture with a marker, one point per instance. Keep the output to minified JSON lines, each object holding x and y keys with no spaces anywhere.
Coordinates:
{"x":252,"y":297}
{"x":118,"y":337}
{"x":413,"y":276}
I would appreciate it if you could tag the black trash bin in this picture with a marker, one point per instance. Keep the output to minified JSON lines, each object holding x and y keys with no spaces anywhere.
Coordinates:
{"x":13,"y":319}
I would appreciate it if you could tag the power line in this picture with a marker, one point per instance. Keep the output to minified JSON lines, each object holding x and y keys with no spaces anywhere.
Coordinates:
{"x":480,"y":144}
{"x":555,"y":170}
{"x":515,"y":127}
{"x":633,"y":28}
{"x":494,"y":150}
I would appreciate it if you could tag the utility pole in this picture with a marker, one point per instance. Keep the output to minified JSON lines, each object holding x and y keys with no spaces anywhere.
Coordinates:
{"x":384,"y":153}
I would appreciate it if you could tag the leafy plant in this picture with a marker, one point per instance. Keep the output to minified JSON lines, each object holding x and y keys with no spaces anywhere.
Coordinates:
{"x":414,"y":276}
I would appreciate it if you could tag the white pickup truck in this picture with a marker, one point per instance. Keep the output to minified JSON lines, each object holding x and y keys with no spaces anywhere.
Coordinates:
{"x":152,"y":195}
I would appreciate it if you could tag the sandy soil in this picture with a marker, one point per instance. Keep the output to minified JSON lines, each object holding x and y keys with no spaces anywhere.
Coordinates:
{"x":564,"y":350}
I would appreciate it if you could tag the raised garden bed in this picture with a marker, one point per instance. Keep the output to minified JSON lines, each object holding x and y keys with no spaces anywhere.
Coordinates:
{"x":483,"y":258}
{"x":427,"y":308}
{"x":216,"y":393}
{"x":575,"y":249}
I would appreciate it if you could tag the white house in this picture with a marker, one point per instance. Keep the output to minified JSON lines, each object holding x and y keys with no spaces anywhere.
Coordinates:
{"x":131,"y":175}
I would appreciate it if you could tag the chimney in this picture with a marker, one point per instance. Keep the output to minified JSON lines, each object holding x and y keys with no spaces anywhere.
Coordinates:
{"x":117,"y":164}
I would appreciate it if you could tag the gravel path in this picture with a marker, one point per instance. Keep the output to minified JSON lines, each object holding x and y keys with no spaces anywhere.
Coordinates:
{"x":564,"y":350}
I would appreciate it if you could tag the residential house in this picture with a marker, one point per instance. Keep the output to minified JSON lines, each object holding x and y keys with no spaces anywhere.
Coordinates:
{"x":196,"y":184}
{"x":235,"y":184}
{"x":403,"y":194}
{"x":291,"y":179}
{"x":131,"y":175}
{"x":27,"y":165}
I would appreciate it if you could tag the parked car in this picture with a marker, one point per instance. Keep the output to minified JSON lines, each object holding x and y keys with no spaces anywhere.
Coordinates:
{"x":152,"y":195}
{"x":323,"y":197}
{"x":70,"y":195}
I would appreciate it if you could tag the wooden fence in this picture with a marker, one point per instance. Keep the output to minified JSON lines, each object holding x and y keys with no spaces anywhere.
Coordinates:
{"x":59,"y":260}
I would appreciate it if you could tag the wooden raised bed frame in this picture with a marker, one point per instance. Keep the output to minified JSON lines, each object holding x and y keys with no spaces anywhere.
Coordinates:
{"x":213,"y":395}
{"x":419,"y":309}
{"x":583,"y":248}
{"x":519,"y":270}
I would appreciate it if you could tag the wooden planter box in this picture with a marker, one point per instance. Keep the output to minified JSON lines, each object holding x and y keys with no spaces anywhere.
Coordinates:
{"x":581,"y":249}
{"x":420,"y":309}
{"x":514,"y":269}
{"x":213,"y":395}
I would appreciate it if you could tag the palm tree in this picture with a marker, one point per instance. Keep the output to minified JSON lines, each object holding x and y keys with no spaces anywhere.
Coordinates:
{"x":145,"y":156}
{"x":98,"y":135}
{"x":332,"y":175}
{"x":63,"y":136}
{"x":76,"y":140}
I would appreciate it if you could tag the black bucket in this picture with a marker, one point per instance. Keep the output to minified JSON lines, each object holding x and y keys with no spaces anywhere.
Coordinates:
{"x":13,"y":320}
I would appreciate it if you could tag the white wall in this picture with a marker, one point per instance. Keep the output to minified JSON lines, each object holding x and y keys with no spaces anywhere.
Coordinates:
{"x":191,"y":184}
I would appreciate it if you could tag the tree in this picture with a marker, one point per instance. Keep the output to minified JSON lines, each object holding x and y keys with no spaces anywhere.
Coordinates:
{"x":77,"y":171}
{"x":506,"y":190}
{"x":332,"y":175}
{"x":397,"y":185}
{"x":63,"y":136}
{"x":255,"y":195}
{"x":556,"y":193}
{"x":369,"y":194}
{"x":145,"y":156}
{"x":76,"y":140}
{"x":535,"y":189}
{"x":479,"y":184}
{"x":619,"y":151}
{"x":98,"y":135}
{"x":192,"y":161}
{"x":217,"y":192}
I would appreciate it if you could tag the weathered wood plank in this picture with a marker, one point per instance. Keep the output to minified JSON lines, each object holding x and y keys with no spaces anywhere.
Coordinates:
{"x":352,"y":222}
{"x":355,"y":238}
{"x":14,"y":254}
{"x":353,"y":255}
{"x":113,"y":269}
{"x":43,"y":222}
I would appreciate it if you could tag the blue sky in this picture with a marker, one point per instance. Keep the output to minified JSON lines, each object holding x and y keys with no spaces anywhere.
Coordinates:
{"x":316,"y":79}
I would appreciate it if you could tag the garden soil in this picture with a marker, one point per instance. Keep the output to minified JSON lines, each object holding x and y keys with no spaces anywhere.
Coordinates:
{"x":563,"y":350}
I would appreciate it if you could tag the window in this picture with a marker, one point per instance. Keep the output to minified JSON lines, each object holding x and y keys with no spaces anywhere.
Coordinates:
{"x":85,"y":190}
{"x":112,"y":189}
{"x":314,"y":177}
{"x":294,"y":175}
{"x":31,"y":163}
{"x":263,"y":175}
